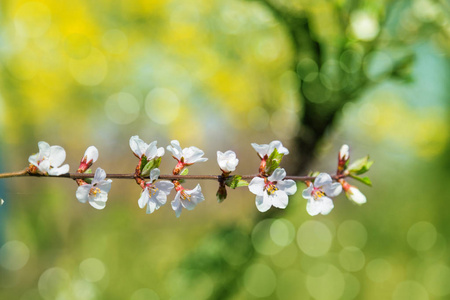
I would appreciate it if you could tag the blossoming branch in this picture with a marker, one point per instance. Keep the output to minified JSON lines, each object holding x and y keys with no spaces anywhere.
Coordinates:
{"x":271,"y":185}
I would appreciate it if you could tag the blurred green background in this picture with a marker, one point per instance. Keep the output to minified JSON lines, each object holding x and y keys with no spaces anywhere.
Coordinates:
{"x":220,"y":75}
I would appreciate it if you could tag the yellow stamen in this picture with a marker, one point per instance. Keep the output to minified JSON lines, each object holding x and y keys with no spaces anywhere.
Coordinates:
{"x":185,"y":196}
{"x":271,"y":189}
{"x":317,"y":194}
{"x":94,"y":191}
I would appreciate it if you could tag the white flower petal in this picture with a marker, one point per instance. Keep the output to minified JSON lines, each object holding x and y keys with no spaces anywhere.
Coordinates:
{"x":82,"y":193}
{"x":151,"y":207}
{"x":44,"y":166}
{"x":280,"y":199}
{"x":256,"y":186}
{"x":137,"y":145}
{"x":176,"y":205}
{"x":143,"y":200}
{"x":313,"y":207}
{"x":192,"y":155}
{"x":57,"y":156}
{"x":279,"y":146}
{"x":176,"y":150}
{"x":160,"y":197}
{"x":44,"y":149}
{"x":58,"y":171}
{"x":99,"y":197}
{"x":33,"y":159}
{"x":160,"y":152}
{"x":99,"y":175}
{"x":91,"y":154}
{"x":151,"y":150}
{"x":356,"y":196}
{"x":277,"y":175}
{"x":326,"y":205}
{"x":154,"y":174}
{"x":344,"y":152}
{"x":104,"y":185}
{"x":261,"y":149}
{"x":333,"y":189}
{"x":164,"y":186}
{"x":322,"y":179}
{"x":263,"y":203}
{"x":98,"y":204}
{"x":307,"y":192}
{"x":288,"y":186}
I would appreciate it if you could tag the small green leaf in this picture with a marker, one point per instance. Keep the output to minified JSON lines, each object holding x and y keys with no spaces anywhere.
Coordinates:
{"x":273,"y":161}
{"x":148,"y":167}
{"x":235,"y":181}
{"x":360,"y":166}
{"x":88,"y":180}
{"x":364,"y":180}
{"x":242,"y":182}
{"x":144,"y":162}
{"x":185,"y":172}
{"x":88,"y":171}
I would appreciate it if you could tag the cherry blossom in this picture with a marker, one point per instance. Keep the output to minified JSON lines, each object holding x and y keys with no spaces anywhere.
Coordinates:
{"x":155,"y":193}
{"x":273,"y":190}
{"x":318,"y":194}
{"x":49,"y":159}
{"x":186,"y":198}
{"x":96,"y":192}
{"x":140,"y":148}
{"x":227,"y":161}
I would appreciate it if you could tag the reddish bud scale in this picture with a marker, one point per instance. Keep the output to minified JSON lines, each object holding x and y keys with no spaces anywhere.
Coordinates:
{"x":262,"y":166}
{"x":178,"y":168}
{"x":345,"y":185}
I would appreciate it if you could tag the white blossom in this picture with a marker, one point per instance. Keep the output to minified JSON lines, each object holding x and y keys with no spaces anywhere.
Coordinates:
{"x":96,"y":192}
{"x":318,"y":194}
{"x":266,"y":150}
{"x":49,"y":159}
{"x":227,"y":161}
{"x":187,"y":199}
{"x":272,"y":191}
{"x":355,"y":195}
{"x":140,"y":148}
{"x":344,"y":153}
{"x":155,"y":194}
{"x":187,"y":156}
{"x":90,"y":155}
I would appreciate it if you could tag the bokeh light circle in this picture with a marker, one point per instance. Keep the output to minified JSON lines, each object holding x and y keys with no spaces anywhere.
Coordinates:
{"x":352,"y":259}
{"x":409,"y":290}
{"x":259,"y":280}
{"x":437,"y":280}
{"x":162,"y":105}
{"x":91,"y":70}
{"x":92,"y":269}
{"x":325,"y":282}
{"x":282,"y":232}
{"x":144,"y":294}
{"x":352,"y":233}
{"x":421,"y":236}
{"x":52,"y":282}
{"x":314,"y":238}
{"x":122,"y":108}
{"x":14,"y":255}
{"x":115,"y":41}
{"x":261,"y":238}
{"x":378,"y":270}
{"x":32,"y":19}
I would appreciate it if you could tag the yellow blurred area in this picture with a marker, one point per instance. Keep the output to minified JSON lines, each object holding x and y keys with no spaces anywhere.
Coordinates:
{"x":388,"y":117}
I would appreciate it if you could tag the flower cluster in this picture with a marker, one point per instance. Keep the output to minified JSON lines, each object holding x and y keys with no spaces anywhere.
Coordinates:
{"x":271,"y":186}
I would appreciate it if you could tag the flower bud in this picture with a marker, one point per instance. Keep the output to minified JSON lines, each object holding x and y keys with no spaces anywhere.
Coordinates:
{"x":353,"y":193}
{"x":90,"y":157}
{"x":227,"y":161}
{"x":344,"y":155}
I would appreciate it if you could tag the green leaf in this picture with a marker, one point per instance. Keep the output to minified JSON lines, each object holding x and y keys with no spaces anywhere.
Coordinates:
{"x":148,"y":167}
{"x":273,"y":161}
{"x":185,"y":172}
{"x":144,"y":162}
{"x":364,"y":180}
{"x":88,"y":171}
{"x":360,"y":166}
{"x":235,"y":181}
{"x":88,"y":180}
